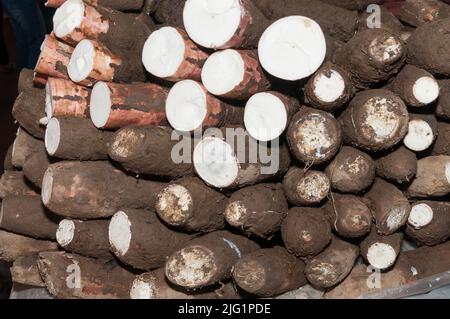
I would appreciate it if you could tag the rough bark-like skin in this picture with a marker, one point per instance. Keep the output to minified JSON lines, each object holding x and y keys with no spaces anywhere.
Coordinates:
{"x":418,"y":12}
{"x":443,"y":103}
{"x":428,"y":47}
{"x":121,"y":5}
{"x":431,"y":179}
{"x":404,"y":82}
{"x":326,"y":70}
{"x":305,"y":231}
{"x":54,"y":58}
{"x":269,"y":272}
{"x":13,"y":246}
{"x":384,"y":106}
{"x":67,"y":98}
{"x":25,"y":271}
{"x":25,"y":145}
{"x":254,"y":79}
{"x":28,"y":109}
{"x":90,"y":190}
{"x":170,"y":12}
{"x":387,"y":22}
{"x":137,"y":103}
{"x":151,"y":241}
{"x":205,"y":211}
{"x":27,"y":216}
{"x":399,"y":166}
{"x":223,"y":248}
{"x":390,"y":208}
{"x":35,"y":166}
{"x":81,"y":140}
{"x":163,"y":289}
{"x":90,"y":238}
{"x":351,"y":171}
{"x":7,"y":162}
{"x":411,"y":265}
{"x":147,"y":150}
{"x":438,"y":230}
{"x":257,"y":210}
{"x":334,"y":21}
{"x":98,"y":279}
{"x":394,"y":240}
{"x":332,"y":265}
{"x":442,"y":144}
{"x":360,"y":57}
{"x":299,"y":136}
{"x":348,"y":215}
{"x":13,"y":183}
{"x":353,"y":4}
{"x":25,"y":81}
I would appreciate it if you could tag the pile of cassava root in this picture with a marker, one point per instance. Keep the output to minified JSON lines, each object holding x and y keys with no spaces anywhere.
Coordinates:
{"x":349,"y":100}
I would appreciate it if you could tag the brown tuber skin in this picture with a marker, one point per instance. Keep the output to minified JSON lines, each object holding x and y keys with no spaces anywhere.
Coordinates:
{"x":257,"y":210}
{"x":35,"y":166}
{"x":25,"y":81}
{"x":7,"y":162}
{"x":305,"y":187}
{"x":27,"y":216}
{"x":432,"y":178}
{"x":399,"y":166}
{"x":373,"y":241}
{"x":24,"y":146}
{"x":190,"y":205}
{"x":305,"y":231}
{"x":390,"y":208}
{"x":348,"y":215}
{"x":13,"y":183}
{"x":25,"y":271}
{"x":353,"y":4}
{"x":419,"y":12}
{"x":443,"y":103}
{"x":269,"y":272}
{"x":351,"y":171}
{"x":386,"y":19}
{"x":91,"y":190}
{"x":208,"y":259}
{"x":332,"y":265}
{"x":442,"y":146}
{"x":28,"y":111}
{"x":314,"y":136}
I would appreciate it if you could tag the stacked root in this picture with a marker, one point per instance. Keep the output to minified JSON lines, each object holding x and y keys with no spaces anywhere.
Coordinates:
{"x":221,"y":149}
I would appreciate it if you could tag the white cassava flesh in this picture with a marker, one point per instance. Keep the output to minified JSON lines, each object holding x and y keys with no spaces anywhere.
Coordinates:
{"x":421,"y":215}
{"x":48,"y":101}
{"x":47,"y":186}
{"x":292,"y":48}
{"x":100,"y":104}
{"x":381,"y":255}
{"x":119,"y":233}
{"x":82,"y":61}
{"x":426,"y":90}
{"x":380,"y":120}
{"x":387,"y":50}
{"x":235,"y":213}
{"x":52,"y":136}
{"x":174,"y":204}
{"x":163,"y":52}
{"x":65,"y":232}
{"x":265,"y":116}
{"x":420,"y":135}
{"x":329,"y":88}
{"x":68,"y":17}
{"x":142,"y":290}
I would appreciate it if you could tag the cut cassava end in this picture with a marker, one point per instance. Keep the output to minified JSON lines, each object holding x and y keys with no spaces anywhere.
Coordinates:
{"x":154,"y":285}
{"x":305,"y":187}
{"x":305,"y":231}
{"x":332,"y":265}
{"x":35,"y":166}
{"x":371,"y":56}
{"x":113,"y":106}
{"x":24,"y":146}
{"x":25,"y":271}
{"x":381,"y":251}
{"x":207,"y":260}
{"x":351,"y":171}
{"x":375,"y":120}
{"x":224,"y":24}
{"x":13,"y":183}
{"x":189,"y":204}
{"x":292,"y":48}
{"x":415,"y":86}
{"x":54,"y":58}
{"x":269,"y":272}
{"x":399,"y":165}
{"x":28,"y":111}
{"x":88,"y":238}
{"x":348,"y":215}
{"x":329,"y":88}
{"x":427,"y":47}
{"x":69,"y":276}
{"x":418,"y":12}
{"x":268,"y":114}
{"x":14,"y":246}
{"x":422,"y":132}
{"x":314,"y":136}
{"x":78,"y":190}
{"x":189,"y":106}
{"x":74,"y":138}
{"x":390,"y":208}
{"x":432,"y":178}
{"x":136,"y":148}
{"x":65,"y":98}
{"x":429,"y":222}
{"x":234,"y":74}
{"x":257,"y":210}
{"x":169,"y":54}
{"x":139,"y":239}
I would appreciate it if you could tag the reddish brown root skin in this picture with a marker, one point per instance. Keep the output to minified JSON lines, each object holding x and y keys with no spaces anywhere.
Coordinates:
{"x":25,"y":271}
{"x":13,"y":183}
{"x":28,"y":111}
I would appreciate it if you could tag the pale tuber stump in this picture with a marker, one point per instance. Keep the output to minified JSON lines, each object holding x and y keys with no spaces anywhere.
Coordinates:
{"x":381,"y":251}
{"x":422,"y":132}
